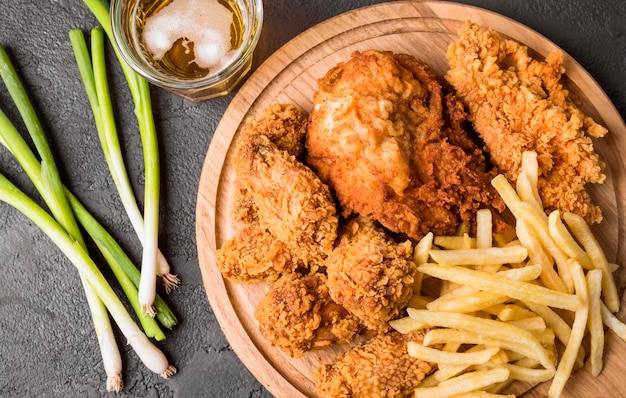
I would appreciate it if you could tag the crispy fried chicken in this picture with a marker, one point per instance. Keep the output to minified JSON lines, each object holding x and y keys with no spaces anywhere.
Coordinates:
{"x":518,"y":104}
{"x":370,"y":274}
{"x":298,"y":315}
{"x":288,"y":215}
{"x":380,"y":367}
{"x":390,"y":143}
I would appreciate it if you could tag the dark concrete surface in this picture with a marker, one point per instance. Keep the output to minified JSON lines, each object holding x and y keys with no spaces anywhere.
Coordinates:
{"x":47,"y":344}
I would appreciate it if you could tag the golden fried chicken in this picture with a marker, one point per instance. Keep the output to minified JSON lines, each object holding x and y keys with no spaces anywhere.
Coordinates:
{"x":370,"y":274}
{"x":283,"y":194}
{"x":390,"y":143}
{"x":297,"y":315}
{"x":380,"y":367}
{"x":518,"y":104}
{"x":254,"y":255}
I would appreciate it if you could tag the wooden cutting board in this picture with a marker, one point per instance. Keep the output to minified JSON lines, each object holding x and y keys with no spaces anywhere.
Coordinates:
{"x":423,"y":29}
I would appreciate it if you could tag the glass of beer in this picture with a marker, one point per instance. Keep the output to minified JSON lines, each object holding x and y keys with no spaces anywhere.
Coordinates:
{"x":198,"y":49}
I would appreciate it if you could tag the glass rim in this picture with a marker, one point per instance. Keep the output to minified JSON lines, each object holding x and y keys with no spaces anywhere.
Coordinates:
{"x":130,"y":56}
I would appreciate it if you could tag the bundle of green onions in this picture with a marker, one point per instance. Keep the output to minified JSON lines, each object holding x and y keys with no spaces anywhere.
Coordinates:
{"x":66,"y":212}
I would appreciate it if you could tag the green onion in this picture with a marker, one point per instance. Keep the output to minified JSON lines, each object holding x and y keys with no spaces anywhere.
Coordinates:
{"x":96,"y":86}
{"x":140,"y":91}
{"x":150,"y":355}
{"x":48,"y":183}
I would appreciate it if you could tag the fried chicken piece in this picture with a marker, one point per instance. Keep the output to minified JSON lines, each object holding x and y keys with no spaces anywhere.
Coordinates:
{"x":297,"y":315}
{"x":285,"y":126}
{"x":518,"y":104}
{"x":370,"y":274}
{"x":286,"y":197}
{"x":380,"y":367}
{"x":254,"y":255}
{"x":390,"y":143}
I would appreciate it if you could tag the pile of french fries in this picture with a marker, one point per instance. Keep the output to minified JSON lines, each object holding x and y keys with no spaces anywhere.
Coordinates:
{"x":514,"y":307}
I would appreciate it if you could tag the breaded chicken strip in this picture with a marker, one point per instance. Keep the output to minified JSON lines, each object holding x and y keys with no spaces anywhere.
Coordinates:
{"x":286,"y":197}
{"x":370,"y":274}
{"x":382,"y":137}
{"x":297,"y":315}
{"x":378,"y":368}
{"x":518,"y":104}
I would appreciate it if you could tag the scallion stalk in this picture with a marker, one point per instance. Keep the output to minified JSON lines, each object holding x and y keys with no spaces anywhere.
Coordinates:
{"x":48,"y":183}
{"x":149,"y":354}
{"x":140,"y":91}
{"x":95,"y":80}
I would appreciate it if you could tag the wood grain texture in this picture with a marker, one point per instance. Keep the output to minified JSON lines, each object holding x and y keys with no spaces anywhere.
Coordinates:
{"x":423,"y":29}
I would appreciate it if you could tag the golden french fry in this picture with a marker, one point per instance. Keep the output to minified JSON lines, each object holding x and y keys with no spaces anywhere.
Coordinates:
{"x":488,"y":328}
{"x":422,"y":248}
{"x":561,"y":329}
{"x":613,"y":323}
{"x":416,"y":350}
{"x":465,"y":304}
{"x":505,"y":189}
{"x":501,"y":285}
{"x":529,"y":374}
{"x":467,"y":382}
{"x":511,"y":312}
{"x":538,"y":222}
{"x":534,"y":323}
{"x":443,"y":335}
{"x":491,"y":255}
{"x":538,"y":255}
{"x":566,"y":241}
{"x":581,"y":231}
{"x":482,"y":394}
{"x":484,"y":229}
{"x":406,"y":325}
{"x":566,"y":364}
{"x":530,"y":168}
{"x":419,"y":301}
{"x":594,"y":323}
{"x":455,"y":242}
{"x":529,"y":194}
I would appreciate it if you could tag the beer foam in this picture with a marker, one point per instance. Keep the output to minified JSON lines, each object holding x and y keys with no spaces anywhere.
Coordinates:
{"x":206,"y":23}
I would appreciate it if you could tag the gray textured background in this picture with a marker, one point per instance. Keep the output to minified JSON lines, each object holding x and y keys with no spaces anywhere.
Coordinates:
{"x":47,"y":344}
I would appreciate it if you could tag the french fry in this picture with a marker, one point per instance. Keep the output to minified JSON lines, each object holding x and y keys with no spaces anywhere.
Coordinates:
{"x":534,"y":323}
{"x":406,"y":325}
{"x":511,"y":312}
{"x":538,"y":221}
{"x":438,"y":336}
{"x":566,"y":241}
{"x":454,"y":242}
{"x":594,"y":323}
{"x":530,"y":170}
{"x":419,"y":301}
{"x":528,"y":194}
{"x":440,"y":357}
{"x":538,"y":255}
{"x":489,"y":328}
{"x":561,"y":329}
{"x":528,"y":374}
{"x":581,"y":231}
{"x":467,"y":382}
{"x":610,"y":320}
{"x":422,"y":248}
{"x":466,"y":304}
{"x":505,"y":189}
{"x":498,"y":284}
{"x":482,"y":394}
{"x":491,"y":255}
{"x":566,"y":364}
{"x":484,"y":229}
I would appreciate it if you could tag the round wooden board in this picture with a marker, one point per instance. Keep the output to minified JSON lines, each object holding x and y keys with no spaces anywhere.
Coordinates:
{"x":423,"y":29}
